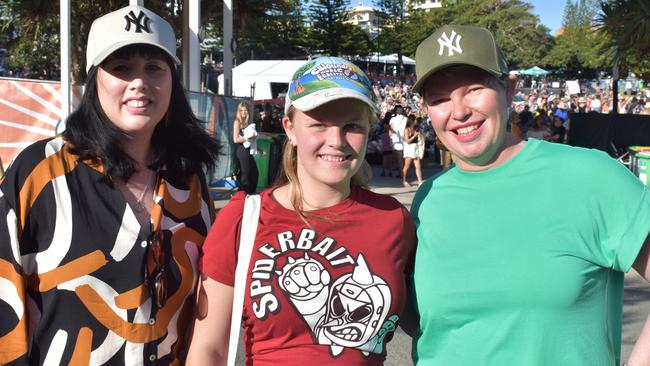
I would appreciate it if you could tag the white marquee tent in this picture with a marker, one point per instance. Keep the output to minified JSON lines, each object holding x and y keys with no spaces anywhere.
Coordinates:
{"x":389,"y":59}
{"x":253,"y":78}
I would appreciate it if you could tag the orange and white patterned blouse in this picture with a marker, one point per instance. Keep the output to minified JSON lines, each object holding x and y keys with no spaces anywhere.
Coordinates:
{"x":73,"y":263}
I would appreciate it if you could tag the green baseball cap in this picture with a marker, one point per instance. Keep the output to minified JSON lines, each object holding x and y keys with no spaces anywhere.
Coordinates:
{"x":453,"y":45}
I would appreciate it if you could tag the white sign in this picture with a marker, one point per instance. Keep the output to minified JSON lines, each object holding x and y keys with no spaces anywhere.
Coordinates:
{"x":573,"y":87}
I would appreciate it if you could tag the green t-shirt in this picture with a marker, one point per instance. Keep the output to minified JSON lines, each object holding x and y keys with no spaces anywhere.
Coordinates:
{"x":523,"y":263}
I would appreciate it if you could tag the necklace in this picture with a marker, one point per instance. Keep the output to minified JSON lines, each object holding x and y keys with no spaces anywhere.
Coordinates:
{"x":138,"y":206}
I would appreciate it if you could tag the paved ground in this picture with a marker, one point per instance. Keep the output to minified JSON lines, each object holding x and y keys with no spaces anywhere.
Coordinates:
{"x":637,"y":291}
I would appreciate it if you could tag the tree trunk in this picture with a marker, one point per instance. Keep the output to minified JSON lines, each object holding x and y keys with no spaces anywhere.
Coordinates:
{"x":400,"y":63}
{"x":615,"y":78}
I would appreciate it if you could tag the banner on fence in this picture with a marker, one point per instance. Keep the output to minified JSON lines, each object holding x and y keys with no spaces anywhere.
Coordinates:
{"x":30,"y":111}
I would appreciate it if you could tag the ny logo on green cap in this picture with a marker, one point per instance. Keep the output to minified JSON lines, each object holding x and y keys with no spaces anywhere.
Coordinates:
{"x":454,"y":45}
{"x":448,"y":42}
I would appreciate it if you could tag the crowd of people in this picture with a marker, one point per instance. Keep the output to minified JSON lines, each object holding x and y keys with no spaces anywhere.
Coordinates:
{"x":595,"y":95}
{"x":542,"y":114}
{"x":538,"y":110}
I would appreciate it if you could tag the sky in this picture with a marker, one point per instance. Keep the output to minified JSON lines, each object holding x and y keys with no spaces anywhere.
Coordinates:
{"x":550,"y":12}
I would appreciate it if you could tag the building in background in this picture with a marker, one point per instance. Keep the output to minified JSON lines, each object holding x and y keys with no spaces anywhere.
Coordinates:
{"x":425,"y":5}
{"x":373,"y":20}
{"x":366,"y":17}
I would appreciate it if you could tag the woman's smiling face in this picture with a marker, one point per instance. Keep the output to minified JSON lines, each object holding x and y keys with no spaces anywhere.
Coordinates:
{"x":135,"y":91}
{"x":330,"y":141}
{"x":468,"y":111}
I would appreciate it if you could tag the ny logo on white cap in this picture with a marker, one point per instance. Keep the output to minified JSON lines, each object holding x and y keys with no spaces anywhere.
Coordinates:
{"x":447,"y":42}
{"x":140,"y":22}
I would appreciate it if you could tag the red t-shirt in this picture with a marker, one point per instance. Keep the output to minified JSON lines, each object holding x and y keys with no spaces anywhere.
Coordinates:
{"x":327,"y":294}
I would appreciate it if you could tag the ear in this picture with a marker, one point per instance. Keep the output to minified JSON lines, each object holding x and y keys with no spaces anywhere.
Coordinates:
{"x":288,"y":129}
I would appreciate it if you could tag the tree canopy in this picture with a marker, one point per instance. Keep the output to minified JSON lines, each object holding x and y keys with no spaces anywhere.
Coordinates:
{"x":394,"y":35}
{"x":623,"y":25}
{"x":524,"y":40}
{"x":593,"y":33}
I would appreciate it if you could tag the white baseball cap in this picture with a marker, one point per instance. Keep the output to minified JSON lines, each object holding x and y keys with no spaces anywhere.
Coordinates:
{"x":129,"y":25}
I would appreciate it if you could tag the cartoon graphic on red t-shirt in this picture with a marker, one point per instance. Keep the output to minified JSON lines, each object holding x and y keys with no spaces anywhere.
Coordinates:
{"x":346,"y":313}
{"x":329,"y":289}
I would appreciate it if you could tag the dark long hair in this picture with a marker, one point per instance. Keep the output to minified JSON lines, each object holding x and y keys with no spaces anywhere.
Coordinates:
{"x":179,"y":141}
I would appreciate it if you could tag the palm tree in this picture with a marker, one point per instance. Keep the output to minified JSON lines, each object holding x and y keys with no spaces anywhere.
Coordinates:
{"x":625,"y":23}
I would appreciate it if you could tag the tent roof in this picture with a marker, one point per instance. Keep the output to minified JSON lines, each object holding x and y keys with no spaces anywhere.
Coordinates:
{"x":268,"y":70}
{"x":389,"y":59}
{"x":535,"y":71}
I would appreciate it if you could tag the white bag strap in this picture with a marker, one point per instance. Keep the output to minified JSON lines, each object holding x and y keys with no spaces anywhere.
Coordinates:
{"x":246,"y":240}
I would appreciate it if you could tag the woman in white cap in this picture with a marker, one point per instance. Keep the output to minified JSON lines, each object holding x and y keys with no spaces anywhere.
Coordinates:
{"x":102,"y":224}
{"x":326,"y":280}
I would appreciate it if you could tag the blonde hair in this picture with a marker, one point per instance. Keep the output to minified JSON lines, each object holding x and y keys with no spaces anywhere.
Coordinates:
{"x":238,"y":117}
{"x":288,"y":173}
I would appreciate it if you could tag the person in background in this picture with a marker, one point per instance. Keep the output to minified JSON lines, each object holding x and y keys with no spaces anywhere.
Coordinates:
{"x":515,"y":127}
{"x":446,"y":158}
{"x":582,"y":105}
{"x":562,"y":110}
{"x":413,"y":150}
{"x":604,"y":107}
{"x":243,"y":136}
{"x":596,"y":104}
{"x":504,"y":274}
{"x":646,"y":108}
{"x":542,"y":106}
{"x":386,"y":151}
{"x":397,"y":124}
{"x":276,"y":119}
{"x":557,"y":132}
{"x":103,"y":224}
{"x":327,"y":278}
{"x":538,"y":130}
{"x":264,"y":120}
{"x":525,"y":120}
{"x":263,"y":117}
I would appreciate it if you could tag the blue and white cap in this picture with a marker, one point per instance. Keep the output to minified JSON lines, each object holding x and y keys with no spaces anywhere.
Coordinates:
{"x":326,"y":79}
